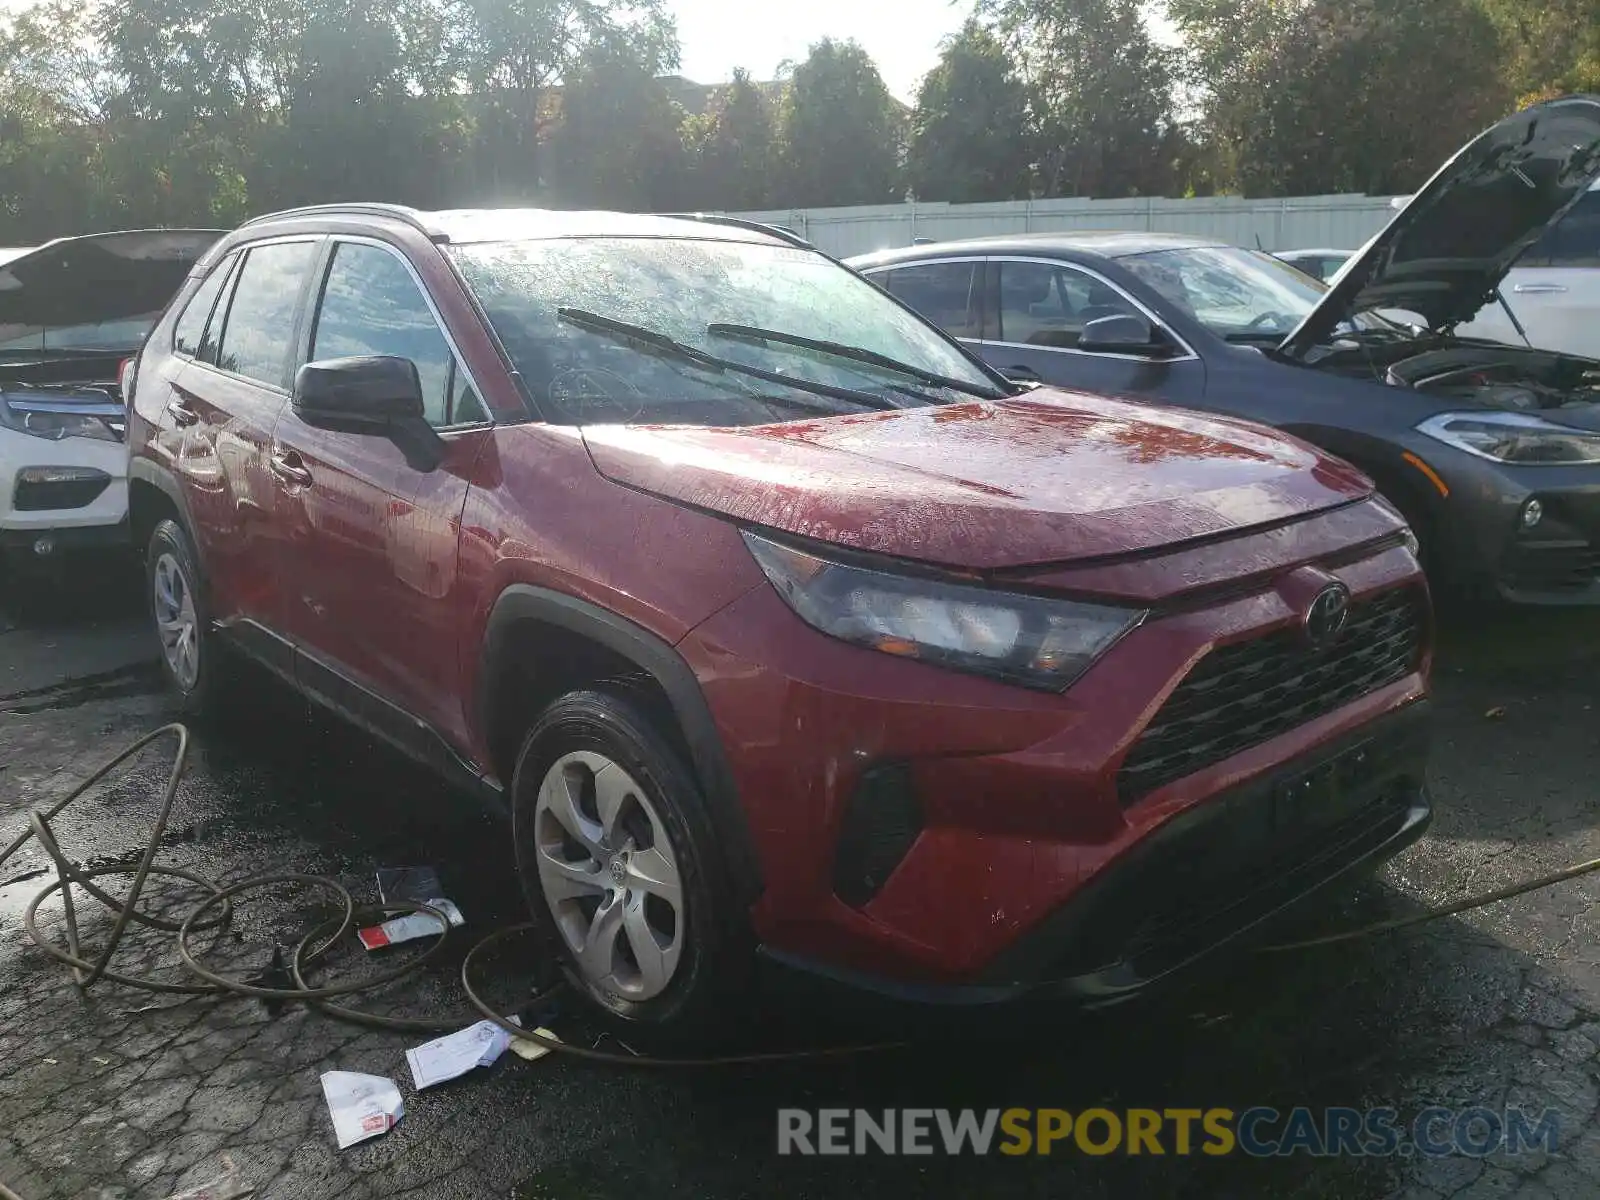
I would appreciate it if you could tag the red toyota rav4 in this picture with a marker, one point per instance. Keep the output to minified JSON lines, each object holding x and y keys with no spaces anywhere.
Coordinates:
{"x":776,"y":621}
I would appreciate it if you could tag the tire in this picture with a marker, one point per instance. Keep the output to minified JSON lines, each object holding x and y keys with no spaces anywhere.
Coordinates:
{"x":607,"y":818}
{"x":198,"y":672}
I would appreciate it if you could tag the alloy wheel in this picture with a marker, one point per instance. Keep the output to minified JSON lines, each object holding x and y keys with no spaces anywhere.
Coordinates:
{"x":609,"y":875}
{"x":176,"y":621}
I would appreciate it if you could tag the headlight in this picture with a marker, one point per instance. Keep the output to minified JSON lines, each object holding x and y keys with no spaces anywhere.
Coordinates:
{"x":57,"y":419}
{"x":1027,"y":640}
{"x":1513,"y":438}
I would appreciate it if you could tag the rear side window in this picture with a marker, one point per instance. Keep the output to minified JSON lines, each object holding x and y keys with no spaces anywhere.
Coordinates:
{"x":191,"y":329}
{"x":372,"y":305}
{"x":945,"y":293}
{"x":260,"y":326}
{"x":1573,"y":242}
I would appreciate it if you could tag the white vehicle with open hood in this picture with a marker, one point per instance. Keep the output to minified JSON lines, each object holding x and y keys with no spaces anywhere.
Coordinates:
{"x":73,"y":312}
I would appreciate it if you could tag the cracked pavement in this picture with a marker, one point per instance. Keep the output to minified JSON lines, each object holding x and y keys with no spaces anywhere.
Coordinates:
{"x":118,"y":1093}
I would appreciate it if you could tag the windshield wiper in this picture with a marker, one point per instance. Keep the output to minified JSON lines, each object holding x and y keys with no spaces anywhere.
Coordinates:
{"x":653,"y":341}
{"x":860,"y":354}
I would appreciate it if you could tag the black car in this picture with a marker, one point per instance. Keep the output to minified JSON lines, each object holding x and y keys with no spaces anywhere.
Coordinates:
{"x":1492,"y":451}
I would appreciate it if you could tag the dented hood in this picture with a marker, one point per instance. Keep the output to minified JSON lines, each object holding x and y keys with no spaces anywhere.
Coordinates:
{"x":1051,"y":477}
{"x":96,"y":279}
{"x":1447,"y":250}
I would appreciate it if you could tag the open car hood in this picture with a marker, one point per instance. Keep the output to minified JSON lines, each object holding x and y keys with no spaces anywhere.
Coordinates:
{"x":1447,"y":250}
{"x":97,"y":278}
{"x":1050,"y":477}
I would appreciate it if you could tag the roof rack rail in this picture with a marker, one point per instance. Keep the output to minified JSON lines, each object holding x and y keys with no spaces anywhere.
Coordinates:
{"x":782,"y":232}
{"x":398,"y":212}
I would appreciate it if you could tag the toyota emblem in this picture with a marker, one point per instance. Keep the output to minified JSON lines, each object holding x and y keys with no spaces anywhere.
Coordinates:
{"x":1325,"y":619}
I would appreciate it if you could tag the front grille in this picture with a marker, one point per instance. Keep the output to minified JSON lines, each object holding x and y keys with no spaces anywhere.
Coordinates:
{"x":1247,"y":693}
{"x":1553,"y":567}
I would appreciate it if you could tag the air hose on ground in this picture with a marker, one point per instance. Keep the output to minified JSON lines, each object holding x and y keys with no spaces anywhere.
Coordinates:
{"x":216,"y":911}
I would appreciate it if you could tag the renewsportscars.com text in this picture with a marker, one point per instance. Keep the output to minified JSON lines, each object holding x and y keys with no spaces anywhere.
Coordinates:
{"x":1259,"y":1132}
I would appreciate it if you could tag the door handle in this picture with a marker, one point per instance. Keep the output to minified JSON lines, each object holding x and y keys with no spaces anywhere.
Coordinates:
{"x":181,"y":413}
{"x":1539,"y":289}
{"x":289,"y":467}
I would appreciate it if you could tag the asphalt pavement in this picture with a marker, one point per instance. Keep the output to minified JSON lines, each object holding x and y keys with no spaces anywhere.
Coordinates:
{"x":115,"y":1093}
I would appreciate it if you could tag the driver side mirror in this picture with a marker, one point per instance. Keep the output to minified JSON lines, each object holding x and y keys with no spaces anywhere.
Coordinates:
{"x":1124,"y":333}
{"x":374,"y":395}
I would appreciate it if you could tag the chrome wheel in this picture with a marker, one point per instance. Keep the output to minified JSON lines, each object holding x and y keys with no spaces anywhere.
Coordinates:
{"x":176,"y":621}
{"x":609,"y":875}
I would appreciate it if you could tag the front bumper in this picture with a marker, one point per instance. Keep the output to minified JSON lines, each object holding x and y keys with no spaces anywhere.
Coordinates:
{"x":89,"y":514}
{"x":1203,"y":881}
{"x":995,"y":810}
{"x":1481,"y":530}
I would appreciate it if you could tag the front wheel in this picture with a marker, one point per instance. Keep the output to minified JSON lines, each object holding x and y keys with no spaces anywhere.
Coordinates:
{"x":616,"y":858}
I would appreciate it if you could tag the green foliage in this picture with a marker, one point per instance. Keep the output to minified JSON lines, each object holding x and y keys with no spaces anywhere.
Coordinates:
{"x":970,"y":136}
{"x":839,"y":131}
{"x":121,"y":113}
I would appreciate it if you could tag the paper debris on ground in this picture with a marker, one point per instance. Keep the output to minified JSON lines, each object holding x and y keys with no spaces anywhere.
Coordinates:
{"x":457,"y":1053}
{"x":410,"y":927}
{"x":362,"y":1106}
{"x":527,"y":1048}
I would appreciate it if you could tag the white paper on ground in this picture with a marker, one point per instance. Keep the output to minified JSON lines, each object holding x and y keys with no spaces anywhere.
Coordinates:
{"x":408,"y":928}
{"x":362,"y":1106}
{"x":457,"y":1053}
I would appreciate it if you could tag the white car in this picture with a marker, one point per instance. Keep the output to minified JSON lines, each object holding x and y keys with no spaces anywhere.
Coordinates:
{"x":1553,"y":291}
{"x":1318,"y":263}
{"x":71,"y":313}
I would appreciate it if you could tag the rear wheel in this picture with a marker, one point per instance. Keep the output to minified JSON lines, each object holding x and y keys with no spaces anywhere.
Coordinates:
{"x":617,"y":860}
{"x":191,"y":657}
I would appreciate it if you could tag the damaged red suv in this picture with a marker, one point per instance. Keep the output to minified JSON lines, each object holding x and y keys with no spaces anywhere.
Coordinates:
{"x":776,"y":621}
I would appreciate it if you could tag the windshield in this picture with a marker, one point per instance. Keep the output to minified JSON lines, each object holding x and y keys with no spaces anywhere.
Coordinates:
{"x":1237,"y":294}
{"x":682,"y":289}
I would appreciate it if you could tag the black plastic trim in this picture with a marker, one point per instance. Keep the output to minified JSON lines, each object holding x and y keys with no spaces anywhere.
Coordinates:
{"x":658,"y":659}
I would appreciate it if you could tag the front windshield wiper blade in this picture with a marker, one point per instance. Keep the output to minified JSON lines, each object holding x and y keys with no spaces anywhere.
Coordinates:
{"x":750,"y":333}
{"x":654,"y":341}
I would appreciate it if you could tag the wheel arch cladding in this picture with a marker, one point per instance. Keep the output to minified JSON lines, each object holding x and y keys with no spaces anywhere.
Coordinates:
{"x":589,"y":645}
{"x":153,"y":496}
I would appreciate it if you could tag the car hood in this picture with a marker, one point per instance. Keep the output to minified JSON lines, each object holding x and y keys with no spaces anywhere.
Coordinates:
{"x":98,"y":278}
{"x":1052,"y":477}
{"x":1451,"y":245}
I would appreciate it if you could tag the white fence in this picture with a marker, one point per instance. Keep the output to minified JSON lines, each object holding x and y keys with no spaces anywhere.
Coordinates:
{"x":1341,"y":222}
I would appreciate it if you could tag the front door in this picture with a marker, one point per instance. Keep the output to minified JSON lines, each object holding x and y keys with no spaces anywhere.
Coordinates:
{"x":369,"y":571}
{"x":1036,"y":311}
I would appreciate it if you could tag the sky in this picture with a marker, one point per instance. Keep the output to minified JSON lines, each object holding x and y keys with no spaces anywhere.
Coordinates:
{"x":903,"y":36}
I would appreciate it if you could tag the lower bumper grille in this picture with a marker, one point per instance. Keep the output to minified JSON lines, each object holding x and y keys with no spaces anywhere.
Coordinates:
{"x":1250,"y":692}
{"x":1553,"y":567}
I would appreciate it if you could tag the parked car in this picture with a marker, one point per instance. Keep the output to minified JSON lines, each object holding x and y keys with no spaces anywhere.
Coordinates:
{"x":1551,"y":295}
{"x":1492,"y":451}
{"x":771,"y":616}
{"x":1319,"y":264}
{"x":71,"y":312}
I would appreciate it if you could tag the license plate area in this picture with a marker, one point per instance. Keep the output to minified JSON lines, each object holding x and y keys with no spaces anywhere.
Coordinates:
{"x":1326,"y":793}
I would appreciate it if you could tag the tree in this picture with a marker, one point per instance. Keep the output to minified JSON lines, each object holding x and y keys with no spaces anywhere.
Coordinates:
{"x":970,"y":131}
{"x":839,"y":131}
{"x":1307,"y":98}
{"x":1100,"y":91}
{"x":619,"y":144}
{"x":731,"y":148}
{"x":1552,"y":46}
{"x":520,"y":51}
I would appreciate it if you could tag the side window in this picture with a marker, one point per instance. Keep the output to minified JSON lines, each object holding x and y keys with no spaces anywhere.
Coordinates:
{"x":1573,"y":242}
{"x":372,"y":305}
{"x":190,"y":331}
{"x":260,"y":326}
{"x":942,"y":292}
{"x":1043,"y":304}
